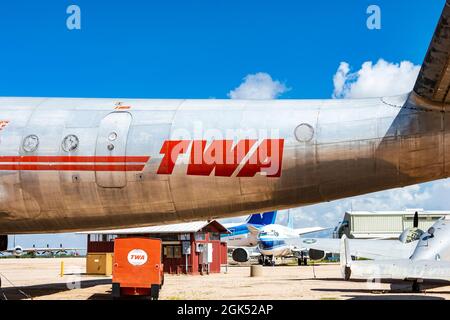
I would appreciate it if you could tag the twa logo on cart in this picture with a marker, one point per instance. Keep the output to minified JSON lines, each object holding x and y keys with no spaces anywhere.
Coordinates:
{"x":137,"y":257}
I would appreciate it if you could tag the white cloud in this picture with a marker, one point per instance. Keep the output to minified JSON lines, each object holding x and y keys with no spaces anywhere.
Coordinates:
{"x":258,"y":86}
{"x":375,"y":80}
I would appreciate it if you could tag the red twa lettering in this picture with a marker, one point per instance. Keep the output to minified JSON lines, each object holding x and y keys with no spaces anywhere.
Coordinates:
{"x":220,"y":155}
{"x":171,"y":150}
{"x":224,"y":159}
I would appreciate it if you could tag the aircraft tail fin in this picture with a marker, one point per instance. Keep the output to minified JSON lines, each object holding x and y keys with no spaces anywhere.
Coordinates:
{"x":262,"y":219}
{"x":290,"y":220}
{"x":433,"y":82}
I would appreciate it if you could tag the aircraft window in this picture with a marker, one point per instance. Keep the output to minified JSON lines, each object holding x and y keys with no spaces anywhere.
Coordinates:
{"x":30,"y":143}
{"x":304,"y":133}
{"x":70,"y":143}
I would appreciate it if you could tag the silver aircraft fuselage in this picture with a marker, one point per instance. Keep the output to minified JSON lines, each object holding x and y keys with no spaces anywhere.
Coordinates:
{"x":77,"y":164}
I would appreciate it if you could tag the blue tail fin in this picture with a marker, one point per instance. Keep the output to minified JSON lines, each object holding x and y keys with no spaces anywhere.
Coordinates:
{"x":262,"y":219}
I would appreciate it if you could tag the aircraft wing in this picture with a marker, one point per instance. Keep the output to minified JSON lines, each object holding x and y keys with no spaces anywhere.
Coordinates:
{"x":253,"y":229}
{"x":390,"y":269}
{"x":400,"y":269}
{"x":433,"y":82}
{"x":322,"y":244}
{"x":370,"y":249}
{"x":301,"y":231}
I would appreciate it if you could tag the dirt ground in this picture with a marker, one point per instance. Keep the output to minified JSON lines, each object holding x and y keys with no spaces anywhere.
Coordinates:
{"x":40,"y":279}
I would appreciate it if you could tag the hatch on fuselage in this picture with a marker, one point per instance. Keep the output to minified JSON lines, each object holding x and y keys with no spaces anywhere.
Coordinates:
{"x":111,"y":147}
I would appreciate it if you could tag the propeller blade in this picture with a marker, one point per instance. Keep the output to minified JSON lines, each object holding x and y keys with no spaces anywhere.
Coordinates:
{"x":416,"y":220}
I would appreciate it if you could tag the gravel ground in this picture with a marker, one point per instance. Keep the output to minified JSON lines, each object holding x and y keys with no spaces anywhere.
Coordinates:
{"x":40,"y":279}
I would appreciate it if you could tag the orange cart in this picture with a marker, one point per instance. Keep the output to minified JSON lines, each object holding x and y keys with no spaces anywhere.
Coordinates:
{"x":137,"y":268}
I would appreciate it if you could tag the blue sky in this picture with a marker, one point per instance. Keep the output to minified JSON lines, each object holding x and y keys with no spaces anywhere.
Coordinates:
{"x":199,"y":49}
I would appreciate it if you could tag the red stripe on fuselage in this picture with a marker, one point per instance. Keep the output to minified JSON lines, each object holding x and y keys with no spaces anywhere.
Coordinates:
{"x":76,"y":159}
{"x":71,"y":167}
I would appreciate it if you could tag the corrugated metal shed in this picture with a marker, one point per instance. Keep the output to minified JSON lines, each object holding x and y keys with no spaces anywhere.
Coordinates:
{"x":188,"y":227}
{"x":385,"y":224}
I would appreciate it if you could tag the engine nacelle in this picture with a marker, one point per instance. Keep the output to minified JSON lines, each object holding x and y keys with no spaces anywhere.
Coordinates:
{"x":316,"y":254}
{"x":3,"y":242}
{"x":410,"y":235}
{"x":240,"y":255}
{"x":18,"y":251}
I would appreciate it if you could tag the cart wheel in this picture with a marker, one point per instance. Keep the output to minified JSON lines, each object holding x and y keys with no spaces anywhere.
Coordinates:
{"x":154,"y":292}
{"x":116,"y":291}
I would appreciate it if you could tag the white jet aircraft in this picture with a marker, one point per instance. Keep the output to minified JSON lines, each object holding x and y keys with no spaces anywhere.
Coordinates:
{"x":430,"y":259}
{"x":266,"y":247}
{"x":277,"y":241}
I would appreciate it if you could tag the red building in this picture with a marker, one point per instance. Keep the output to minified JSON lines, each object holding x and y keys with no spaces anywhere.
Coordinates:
{"x":192,"y":248}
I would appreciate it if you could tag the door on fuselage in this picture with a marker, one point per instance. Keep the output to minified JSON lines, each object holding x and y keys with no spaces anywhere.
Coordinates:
{"x":110,"y":151}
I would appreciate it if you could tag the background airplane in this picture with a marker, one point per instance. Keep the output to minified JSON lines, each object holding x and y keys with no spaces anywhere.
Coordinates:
{"x":33,"y":251}
{"x":430,"y":259}
{"x":381,"y":249}
{"x":241,"y":236}
{"x":416,"y":255}
{"x":251,"y":249}
{"x":277,"y":241}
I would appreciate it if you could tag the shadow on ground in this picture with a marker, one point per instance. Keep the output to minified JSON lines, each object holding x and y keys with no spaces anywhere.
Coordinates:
{"x":25,"y":292}
{"x":396,"y":286}
{"x":393,"y":297}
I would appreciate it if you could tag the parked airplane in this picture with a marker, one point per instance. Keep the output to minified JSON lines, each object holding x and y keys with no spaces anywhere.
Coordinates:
{"x":241,"y":241}
{"x":279,"y":241}
{"x":244,"y":253}
{"x":19,"y":251}
{"x":240,"y":235}
{"x":401,"y":248}
{"x":86,"y":164}
{"x":429,"y":260}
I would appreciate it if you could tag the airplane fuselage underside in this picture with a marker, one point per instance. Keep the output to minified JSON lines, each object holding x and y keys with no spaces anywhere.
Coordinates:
{"x":77,"y":164}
